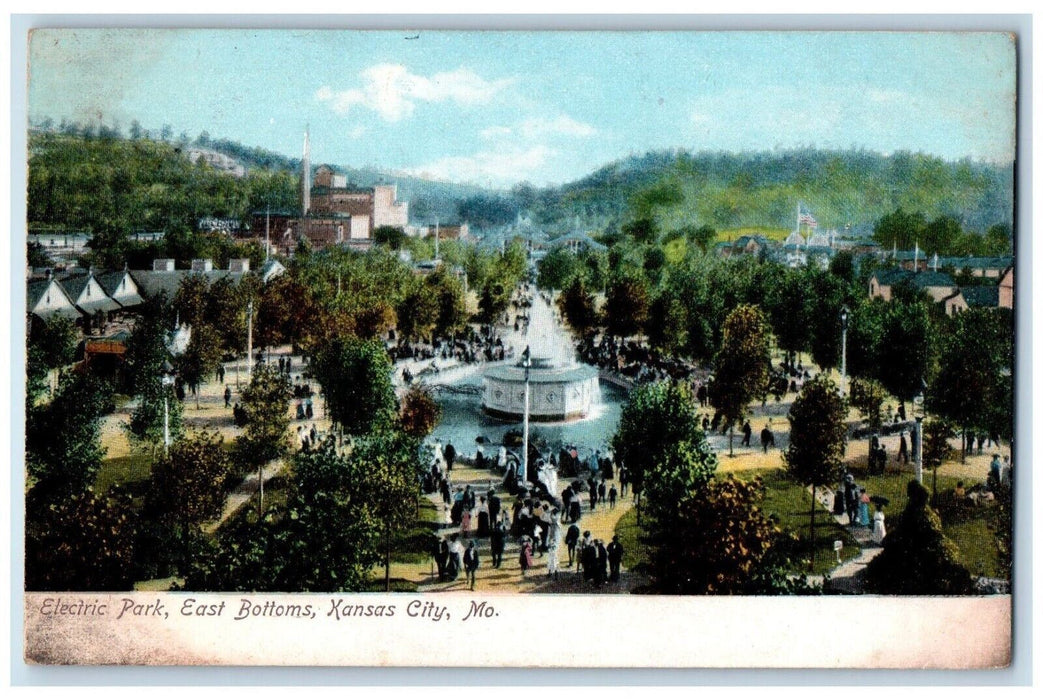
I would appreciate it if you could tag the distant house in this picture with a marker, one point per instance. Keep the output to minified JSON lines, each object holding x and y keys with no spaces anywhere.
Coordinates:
{"x":955,"y":303}
{"x":937,"y":285}
{"x":1006,"y":287}
{"x":163,"y":278}
{"x":982,"y":296}
{"x":46,"y":298}
{"x":991,"y":267}
{"x":576,"y":242}
{"x":87,"y":294}
{"x":121,"y":288}
{"x":794,"y":239}
{"x":744,"y":245}
{"x":62,"y":247}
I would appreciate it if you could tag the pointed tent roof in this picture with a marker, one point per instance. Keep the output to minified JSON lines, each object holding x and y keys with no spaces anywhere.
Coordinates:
{"x":35,"y":292}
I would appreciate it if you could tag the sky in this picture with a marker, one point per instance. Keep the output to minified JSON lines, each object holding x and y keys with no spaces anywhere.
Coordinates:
{"x":500,"y":108}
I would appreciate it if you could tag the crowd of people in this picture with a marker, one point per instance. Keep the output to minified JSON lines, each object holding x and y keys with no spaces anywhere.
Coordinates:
{"x":536,"y":520}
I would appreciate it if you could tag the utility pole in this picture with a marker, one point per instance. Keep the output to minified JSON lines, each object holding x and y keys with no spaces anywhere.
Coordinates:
{"x":249,"y":340}
{"x":436,"y":239}
{"x":527,"y":363}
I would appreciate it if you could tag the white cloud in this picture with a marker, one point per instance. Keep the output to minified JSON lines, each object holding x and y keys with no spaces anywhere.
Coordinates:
{"x":535,"y":128}
{"x":496,"y":168}
{"x":879,"y":95}
{"x":559,"y":126}
{"x":392,"y":91}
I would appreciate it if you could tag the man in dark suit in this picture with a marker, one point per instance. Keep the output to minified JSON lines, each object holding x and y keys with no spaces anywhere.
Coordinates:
{"x":471,"y":563}
{"x":571,"y":539}
{"x":494,"y":506}
{"x":450,"y":456}
{"x":601,"y":564}
{"x":615,"y":556}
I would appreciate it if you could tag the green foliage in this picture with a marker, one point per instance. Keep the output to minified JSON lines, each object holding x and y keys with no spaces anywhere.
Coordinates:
{"x":55,"y":339}
{"x":63,"y":437}
{"x":390,"y":236}
{"x":907,"y":349}
{"x":202,"y":357}
{"x":80,"y":542}
{"x":188,"y":486}
{"x":557,"y":269}
{"x":356,"y":380}
{"x":743,"y":363}
{"x":667,"y":330}
{"x":917,"y":558}
{"x":156,"y":403}
{"x":713,"y":542}
{"x":341,"y":514}
{"x":417,"y":314}
{"x":868,"y":397}
{"x":265,"y":432}
{"x":656,"y":418}
{"x":818,"y":433}
{"x":976,"y":355}
{"x":626,"y":306}
{"x":420,"y":412}
{"x":448,"y":292}
{"x":577,"y":306}
{"x":899,"y":228}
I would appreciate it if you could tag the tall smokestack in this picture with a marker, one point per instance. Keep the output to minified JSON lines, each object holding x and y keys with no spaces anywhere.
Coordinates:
{"x":306,"y":176}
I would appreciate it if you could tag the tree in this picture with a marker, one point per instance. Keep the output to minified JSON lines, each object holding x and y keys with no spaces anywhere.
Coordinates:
{"x":82,"y":542}
{"x":190,"y":301}
{"x":63,"y":437}
{"x":557,"y":269}
{"x":667,"y":324}
{"x":452,"y":307}
{"x":907,"y":349}
{"x":868,"y":397}
{"x":936,"y":449}
{"x":704,"y":236}
{"x":655,"y":419}
{"x":742,"y":366}
{"x":975,"y":354}
{"x":202,"y":357}
{"x":266,"y":420}
{"x":356,"y":379}
{"x":940,"y":236}
{"x":577,"y":306}
{"x":899,"y":229}
{"x":390,"y":464}
{"x":917,"y":558}
{"x":390,"y":236}
{"x":188,"y":486}
{"x":818,"y":437}
{"x":420,"y":412}
{"x":626,"y":306}
{"x":417,"y":314}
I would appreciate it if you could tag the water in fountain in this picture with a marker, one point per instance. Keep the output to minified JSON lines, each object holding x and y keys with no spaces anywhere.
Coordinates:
{"x":546,"y":337}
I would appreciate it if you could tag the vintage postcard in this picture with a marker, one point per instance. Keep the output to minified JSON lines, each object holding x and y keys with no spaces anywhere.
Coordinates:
{"x":699,"y":343}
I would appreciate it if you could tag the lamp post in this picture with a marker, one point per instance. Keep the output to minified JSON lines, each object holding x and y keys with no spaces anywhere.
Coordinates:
{"x":918,"y":402}
{"x":527,"y":364}
{"x":843,"y":351}
{"x":167,"y":380}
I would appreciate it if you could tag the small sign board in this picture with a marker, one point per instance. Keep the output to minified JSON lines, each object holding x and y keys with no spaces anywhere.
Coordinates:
{"x":838,"y":545}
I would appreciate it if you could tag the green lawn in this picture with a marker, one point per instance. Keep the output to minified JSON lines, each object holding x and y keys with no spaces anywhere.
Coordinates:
{"x":790,"y":504}
{"x":634,"y":552}
{"x":977,"y":544}
{"x":133,"y":468}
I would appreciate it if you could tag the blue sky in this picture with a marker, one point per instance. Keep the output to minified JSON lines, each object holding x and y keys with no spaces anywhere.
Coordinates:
{"x":497,"y":108}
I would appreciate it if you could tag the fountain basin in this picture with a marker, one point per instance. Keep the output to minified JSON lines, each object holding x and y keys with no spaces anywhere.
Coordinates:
{"x":556,"y":393}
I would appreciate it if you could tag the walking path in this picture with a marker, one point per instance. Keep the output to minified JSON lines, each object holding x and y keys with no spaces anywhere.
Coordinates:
{"x":846,"y":578}
{"x":508,"y":578}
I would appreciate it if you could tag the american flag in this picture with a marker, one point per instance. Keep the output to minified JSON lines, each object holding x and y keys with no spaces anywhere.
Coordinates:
{"x":807,"y":218}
